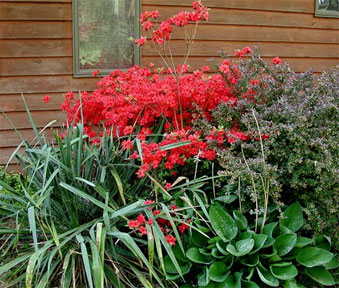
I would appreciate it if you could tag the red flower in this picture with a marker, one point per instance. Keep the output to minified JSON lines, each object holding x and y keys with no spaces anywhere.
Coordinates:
{"x":184,"y":227}
{"x":133,"y":223}
{"x":95,"y":73}
{"x":127,"y":144}
{"x":168,"y":186}
{"x":156,"y":212}
{"x":143,"y":230}
{"x":46,"y":98}
{"x":128,"y":130}
{"x":149,"y":202}
{"x":141,"y":41}
{"x":149,"y":222}
{"x":170,"y":240}
{"x":276,"y":61}
{"x":141,"y":218}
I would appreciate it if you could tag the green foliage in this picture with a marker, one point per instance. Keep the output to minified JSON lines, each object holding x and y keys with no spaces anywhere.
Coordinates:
{"x":276,"y":257}
{"x":63,"y":221}
{"x":298,"y":114}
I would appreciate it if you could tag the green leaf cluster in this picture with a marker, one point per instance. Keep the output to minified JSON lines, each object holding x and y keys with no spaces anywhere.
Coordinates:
{"x":236,"y":256}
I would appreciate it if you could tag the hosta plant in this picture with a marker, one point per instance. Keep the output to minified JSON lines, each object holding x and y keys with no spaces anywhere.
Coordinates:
{"x":227,"y":253}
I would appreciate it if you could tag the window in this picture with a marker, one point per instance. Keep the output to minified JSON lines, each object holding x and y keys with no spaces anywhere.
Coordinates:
{"x":327,"y":8}
{"x":101,"y":35}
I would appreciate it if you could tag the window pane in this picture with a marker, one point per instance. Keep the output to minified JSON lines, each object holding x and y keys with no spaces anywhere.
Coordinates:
{"x":104,"y":29}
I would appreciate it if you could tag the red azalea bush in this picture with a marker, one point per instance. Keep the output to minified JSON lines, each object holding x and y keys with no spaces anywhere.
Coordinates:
{"x":142,"y":99}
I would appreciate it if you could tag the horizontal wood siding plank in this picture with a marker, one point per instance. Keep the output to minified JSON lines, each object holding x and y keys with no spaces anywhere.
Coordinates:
{"x":16,"y":168}
{"x":260,"y":18}
{"x":13,"y":102}
{"x":5,"y":154}
{"x":269,"y":49}
{"x":270,"y":34}
{"x":9,"y":138}
{"x":38,"y":29}
{"x":35,"y":48}
{"x":35,"y":11}
{"x":41,"y":119}
{"x":44,"y":1}
{"x":46,"y":84}
{"x":297,"y":64}
{"x":304,"y":6}
{"x":36,"y":66}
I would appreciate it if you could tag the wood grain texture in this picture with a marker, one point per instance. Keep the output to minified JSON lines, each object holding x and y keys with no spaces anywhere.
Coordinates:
{"x":303,"y":6}
{"x":41,"y":119}
{"x":269,"y":49}
{"x":259,"y":18}
{"x":35,"y":48}
{"x":5,"y":154}
{"x":38,"y":1}
{"x":37,"y":29}
{"x":13,"y":102}
{"x":254,"y":33}
{"x":298,"y":64}
{"x":35,"y":11}
{"x":47,"y":84}
{"x":36,"y":66}
{"x":11,"y":139}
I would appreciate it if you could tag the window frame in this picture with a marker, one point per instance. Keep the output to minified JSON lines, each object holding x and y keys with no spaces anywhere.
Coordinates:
{"x":322,"y":13}
{"x":77,"y":71}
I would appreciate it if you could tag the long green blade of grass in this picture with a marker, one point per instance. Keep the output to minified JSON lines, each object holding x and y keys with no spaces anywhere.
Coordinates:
{"x":85,"y":260}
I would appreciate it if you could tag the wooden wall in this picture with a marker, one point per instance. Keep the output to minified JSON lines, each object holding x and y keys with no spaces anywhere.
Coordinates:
{"x":36,"y":48}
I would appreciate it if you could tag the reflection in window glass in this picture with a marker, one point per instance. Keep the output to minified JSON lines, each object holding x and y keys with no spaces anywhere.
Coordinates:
{"x":104,"y":29}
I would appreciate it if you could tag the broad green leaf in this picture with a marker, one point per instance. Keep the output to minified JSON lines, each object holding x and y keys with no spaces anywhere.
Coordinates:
{"x":293,"y":254}
{"x":292,"y":284}
{"x":240,"y":220}
{"x":293,"y":217}
{"x":284,"y":271}
{"x":303,"y":241}
{"x":216,"y":254}
{"x":323,"y":242}
{"x":259,"y":241}
{"x":203,"y":279}
{"x":218,"y":272}
{"x":266,"y":277}
{"x":222,"y":223}
{"x":171,"y":269}
{"x":241,"y":248}
{"x":285,"y":243}
{"x":333,"y":264}
{"x":312,"y":256}
{"x":228,"y":283}
{"x":269,"y":242}
{"x":248,"y":284}
{"x":251,"y":260}
{"x":320,"y":275}
{"x":269,"y":229}
{"x":221,"y":246}
{"x":194,"y":255}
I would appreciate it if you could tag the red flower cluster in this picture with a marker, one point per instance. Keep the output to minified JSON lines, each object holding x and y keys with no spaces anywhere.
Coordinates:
{"x":276,"y":61}
{"x":153,"y":155}
{"x":164,"y":30}
{"x":242,"y":52}
{"x":46,"y":99}
{"x":143,"y":97}
{"x":164,"y":224}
